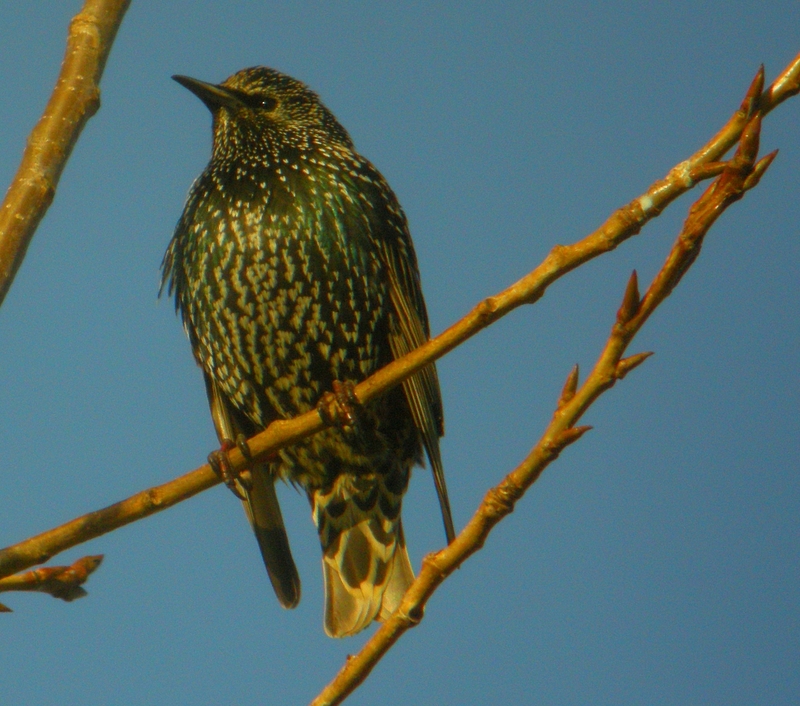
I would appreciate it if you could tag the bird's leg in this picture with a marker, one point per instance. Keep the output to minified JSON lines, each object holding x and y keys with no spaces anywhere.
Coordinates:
{"x":341,"y":407}
{"x":239,"y":483}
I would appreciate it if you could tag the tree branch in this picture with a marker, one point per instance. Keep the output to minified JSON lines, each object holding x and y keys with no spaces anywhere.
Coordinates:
{"x":62,"y":582}
{"x":740,"y":174}
{"x":624,"y":223}
{"x":75,"y":99}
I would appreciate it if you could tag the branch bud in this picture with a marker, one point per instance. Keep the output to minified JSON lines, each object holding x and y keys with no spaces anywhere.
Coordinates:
{"x":570,"y":386}
{"x":758,"y":170}
{"x":630,"y":301}
{"x":752,"y":98}
{"x":627,"y":364}
{"x":571,"y":435}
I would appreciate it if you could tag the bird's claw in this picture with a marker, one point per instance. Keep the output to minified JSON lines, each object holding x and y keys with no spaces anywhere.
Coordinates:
{"x":244,"y":447}
{"x":238,"y":483}
{"x":341,"y":407}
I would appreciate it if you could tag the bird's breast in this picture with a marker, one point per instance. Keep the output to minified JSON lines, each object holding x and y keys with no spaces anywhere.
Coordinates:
{"x":284,"y":292}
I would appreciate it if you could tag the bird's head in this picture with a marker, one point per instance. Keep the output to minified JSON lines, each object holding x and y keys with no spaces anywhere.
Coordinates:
{"x":260,"y":109}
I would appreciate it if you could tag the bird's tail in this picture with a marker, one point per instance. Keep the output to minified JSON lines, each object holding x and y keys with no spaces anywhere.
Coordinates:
{"x":264,"y":512}
{"x":260,"y":502}
{"x":364,"y":558}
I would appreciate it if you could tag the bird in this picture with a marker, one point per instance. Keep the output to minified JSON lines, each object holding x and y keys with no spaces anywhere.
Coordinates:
{"x":294,"y":272}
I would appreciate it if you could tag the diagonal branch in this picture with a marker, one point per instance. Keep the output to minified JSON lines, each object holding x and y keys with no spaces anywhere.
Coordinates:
{"x":623,"y":224}
{"x":740,"y":174}
{"x":75,"y":99}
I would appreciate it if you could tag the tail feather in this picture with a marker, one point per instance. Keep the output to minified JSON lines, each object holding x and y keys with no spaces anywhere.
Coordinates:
{"x":260,"y":504}
{"x":365,"y":580}
{"x":401,"y":576}
{"x":262,"y":509}
{"x":364,"y":558}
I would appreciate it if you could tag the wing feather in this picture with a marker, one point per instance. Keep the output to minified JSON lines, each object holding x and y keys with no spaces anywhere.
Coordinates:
{"x":412,"y":330}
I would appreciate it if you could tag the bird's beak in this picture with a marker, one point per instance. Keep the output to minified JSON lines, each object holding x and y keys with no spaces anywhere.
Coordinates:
{"x":212,"y":95}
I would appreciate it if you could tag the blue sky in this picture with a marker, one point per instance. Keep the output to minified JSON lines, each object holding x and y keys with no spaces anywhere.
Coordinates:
{"x":657,"y":561}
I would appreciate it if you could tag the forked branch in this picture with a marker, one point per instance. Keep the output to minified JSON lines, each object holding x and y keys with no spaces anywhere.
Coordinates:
{"x":738,"y":175}
{"x":562,"y":259}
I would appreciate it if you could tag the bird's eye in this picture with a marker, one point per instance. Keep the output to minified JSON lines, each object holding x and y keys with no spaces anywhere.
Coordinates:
{"x":261,"y":102}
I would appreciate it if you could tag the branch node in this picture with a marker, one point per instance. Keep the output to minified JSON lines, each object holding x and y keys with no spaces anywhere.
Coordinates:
{"x":487,"y":310}
{"x":500,"y":500}
{"x":413,"y":617}
{"x":431,"y":563}
{"x":154,"y":498}
{"x":682,"y":174}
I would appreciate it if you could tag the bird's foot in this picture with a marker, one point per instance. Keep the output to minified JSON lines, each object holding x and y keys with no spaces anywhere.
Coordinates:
{"x":341,"y":407}
{"x":238,"y":482}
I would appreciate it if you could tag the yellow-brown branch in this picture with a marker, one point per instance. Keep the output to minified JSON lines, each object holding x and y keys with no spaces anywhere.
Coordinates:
{"x":741,"y":174}
{"x":75,"y":98}
{"x":624,"y":223}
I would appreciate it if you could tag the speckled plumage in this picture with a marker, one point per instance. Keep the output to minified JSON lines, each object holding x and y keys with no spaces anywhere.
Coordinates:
{"x":293,"y":267}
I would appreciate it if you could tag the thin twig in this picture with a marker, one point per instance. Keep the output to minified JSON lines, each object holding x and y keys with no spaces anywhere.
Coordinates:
{"x":75,"y":99}
{"x":62,"y":582}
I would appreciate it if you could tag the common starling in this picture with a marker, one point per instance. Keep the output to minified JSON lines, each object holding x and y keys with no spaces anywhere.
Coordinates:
{"x":294,"y":271}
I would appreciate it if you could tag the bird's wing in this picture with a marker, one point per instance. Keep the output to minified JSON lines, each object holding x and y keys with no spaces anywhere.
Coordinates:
{"x":421,"y":389}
